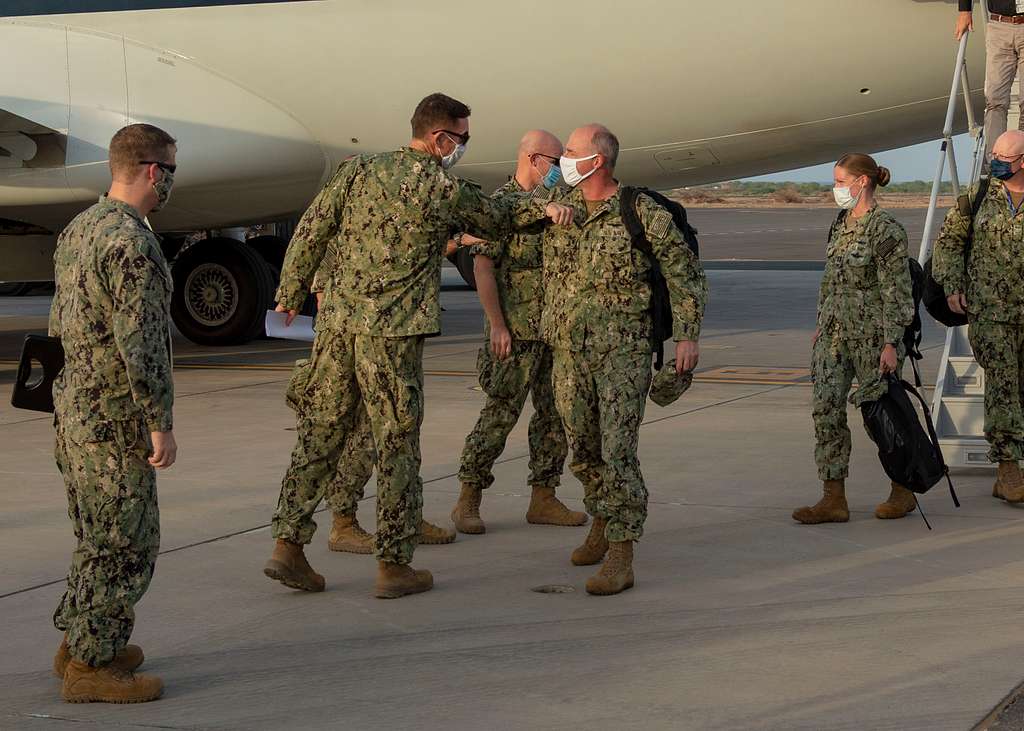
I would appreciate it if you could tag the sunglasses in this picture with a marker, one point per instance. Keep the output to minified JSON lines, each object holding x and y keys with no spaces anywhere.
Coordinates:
{"x":462,"y":139}
{"x":165,"y":166}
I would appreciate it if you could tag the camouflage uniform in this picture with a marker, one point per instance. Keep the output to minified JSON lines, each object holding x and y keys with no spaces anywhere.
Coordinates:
{"x":992,"y":282}
{"x":390,"y":214}
{"x":507,"y":382}
{"x":864,"y":302}
{"x":596,"y":318}
{"x":111,"y":311}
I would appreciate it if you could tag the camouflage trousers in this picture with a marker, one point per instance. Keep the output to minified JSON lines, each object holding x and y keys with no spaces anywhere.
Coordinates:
{"x":601,"y":397}
{"x":355,"y":468}
{"x":999,"y":349}
{"x":111,"y":491}
{"x":834,"y":363}
{"x":507,"y":384}
{"x":344,"y":373}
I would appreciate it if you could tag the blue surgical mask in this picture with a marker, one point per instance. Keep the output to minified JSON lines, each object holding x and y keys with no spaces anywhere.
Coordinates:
{"x":553,"y":176}
{"x":1001,"y":169}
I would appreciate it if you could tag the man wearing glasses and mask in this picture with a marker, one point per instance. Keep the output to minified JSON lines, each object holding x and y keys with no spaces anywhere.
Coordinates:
{"x":985,"y":284}
{"x":113,"y":402}
{"x":390,"y":215}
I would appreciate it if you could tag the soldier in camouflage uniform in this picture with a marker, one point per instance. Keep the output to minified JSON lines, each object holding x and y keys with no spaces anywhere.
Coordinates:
{"x":596,"y":318}
{"x":355,"y":468}
{"x":514,"y":361}
{"x":987,"y":287}
{"x":113,"y":403}
{"x":390,"y":214}
{"x":864,"y":306}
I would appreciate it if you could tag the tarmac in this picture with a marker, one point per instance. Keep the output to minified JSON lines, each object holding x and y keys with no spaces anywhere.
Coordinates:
{"x":740,"y":618}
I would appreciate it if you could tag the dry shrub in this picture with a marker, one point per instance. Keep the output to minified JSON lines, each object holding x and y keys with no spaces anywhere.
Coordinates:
{"x":787,"y":194}
{"x":697,"y":195}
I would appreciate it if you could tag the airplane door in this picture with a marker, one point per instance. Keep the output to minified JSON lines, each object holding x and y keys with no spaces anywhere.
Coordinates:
{"x":99,"y":103}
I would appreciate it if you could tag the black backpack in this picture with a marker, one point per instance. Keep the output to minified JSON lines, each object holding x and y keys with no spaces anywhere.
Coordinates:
{"x":661,"y":304}
{"x":909,"y":455}
{"x":934,"y":295}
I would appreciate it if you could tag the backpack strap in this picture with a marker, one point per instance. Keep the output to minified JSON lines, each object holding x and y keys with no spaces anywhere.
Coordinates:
{"x":933,"y":436}
{"x":631,"y":219}
{"x":979,"y":198}
{"x":840,"y":218}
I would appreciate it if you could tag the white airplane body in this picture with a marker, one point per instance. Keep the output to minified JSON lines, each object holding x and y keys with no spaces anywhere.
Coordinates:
{"x":266,"y":98}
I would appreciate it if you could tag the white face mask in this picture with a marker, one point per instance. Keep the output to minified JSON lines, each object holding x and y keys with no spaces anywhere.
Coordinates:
{"x":844,"y":199}
{"x":570,"y":174}
{"x":448,"y":161}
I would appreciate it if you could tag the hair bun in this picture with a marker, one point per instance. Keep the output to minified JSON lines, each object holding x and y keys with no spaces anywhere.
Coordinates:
{"x":884,"y":176}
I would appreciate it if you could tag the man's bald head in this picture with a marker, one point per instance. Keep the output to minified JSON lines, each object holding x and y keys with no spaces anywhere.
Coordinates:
{"x":539,"y":150}
{"x":593,"y":139}
{"x":1009,"y":144}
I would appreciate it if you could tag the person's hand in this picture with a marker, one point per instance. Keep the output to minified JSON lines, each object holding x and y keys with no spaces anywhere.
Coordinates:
{"x":471,"y":240}
{"x":887,"y":363}
{"x":319,"y":300}
{"x":687,"y":355}
{"x":450,"y":248}
{"x":560,"y":215}
{"x":964,"y":23}
{"x":165,"y":449}
{"x":290,"y":318}
{"x":817,"y":334}
{"x":957,"y":303}
{"x":501,"y":342}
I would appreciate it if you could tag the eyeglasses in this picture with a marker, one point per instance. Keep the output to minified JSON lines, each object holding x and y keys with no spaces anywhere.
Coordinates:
{"x":1003,"y":158}
{"x":165,"y":166}
{"x":462,"y":139}
{"x":549,"y":158}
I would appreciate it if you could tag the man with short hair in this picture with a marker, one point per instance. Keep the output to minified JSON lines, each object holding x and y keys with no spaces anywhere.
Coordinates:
{"x":514,"y":360}
{"x":1004,"y":54}
{"x":597,"y":320}
{"x":986,"y":286}
{"x":113,"y":402}
{"x":391,"y":213}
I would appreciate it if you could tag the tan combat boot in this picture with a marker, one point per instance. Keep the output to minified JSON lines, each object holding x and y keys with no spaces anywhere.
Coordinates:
{"x":129,"y":658}
{"x":348,"y":536}
{"x":1009,"y":482}
{"x":289,"y":566}
{"x":900,"y":503}
{"x":466,"y":513}
{"x":433,"y":535}
{"x":831,"y":508}
{"x":395,"y":580}
{"x":616,"y":575}
{"x":546,"y":509}
{"x":108,"y":684}
{"x":594,"y":547}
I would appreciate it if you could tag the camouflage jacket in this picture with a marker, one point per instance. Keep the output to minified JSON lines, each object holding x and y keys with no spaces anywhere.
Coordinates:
{"x":866,"y":290}
{"x":993,"y":276}
{"x":385,"y":220}
{"x":596,"y":294}
{"x":111,"y":311}
{"x":519,"y":273}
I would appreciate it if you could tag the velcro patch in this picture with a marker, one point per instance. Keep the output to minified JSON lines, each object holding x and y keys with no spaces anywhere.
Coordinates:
{"x":887,"y":247}
{"x":659,"y":226}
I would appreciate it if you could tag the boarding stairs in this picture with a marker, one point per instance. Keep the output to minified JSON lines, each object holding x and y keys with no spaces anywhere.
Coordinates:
{"x":958,"y":399}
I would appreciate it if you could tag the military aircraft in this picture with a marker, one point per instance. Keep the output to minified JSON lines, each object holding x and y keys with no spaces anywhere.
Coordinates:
{"x":266,"y":98}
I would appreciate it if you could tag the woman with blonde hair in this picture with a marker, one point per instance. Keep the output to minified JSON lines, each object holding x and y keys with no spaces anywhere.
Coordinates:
{"x":864,"y":305}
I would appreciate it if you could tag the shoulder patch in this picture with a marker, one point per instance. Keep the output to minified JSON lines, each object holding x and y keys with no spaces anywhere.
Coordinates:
{"x":887,"y":247}
{"x":656,"y":219}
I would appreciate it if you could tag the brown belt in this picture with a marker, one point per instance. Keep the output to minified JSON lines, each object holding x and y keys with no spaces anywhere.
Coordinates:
{"x":1015,"y":19}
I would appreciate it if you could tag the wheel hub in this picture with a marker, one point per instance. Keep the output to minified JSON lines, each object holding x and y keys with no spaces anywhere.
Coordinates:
{"x":211,"y":294}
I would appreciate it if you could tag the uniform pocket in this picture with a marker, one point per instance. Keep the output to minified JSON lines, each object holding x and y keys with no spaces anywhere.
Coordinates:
{"x":295,"y":394}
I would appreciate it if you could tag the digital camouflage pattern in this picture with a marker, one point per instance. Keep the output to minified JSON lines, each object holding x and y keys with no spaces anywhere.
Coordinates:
{"x":507,"y":383}
{"x":384,"y":219}
{"x":601,"y":397}
{"x":519,"y":275}
{"x":390,"y":214}
{"x":992,"y":277}
{"x":596,"y":294}
{"x":111,"y":312}
{"x":864,"y":302}
{"x":355,"y":467}
{"x":327,"y":391}
{"x":999,"y":349}
{"x":596,"y":318}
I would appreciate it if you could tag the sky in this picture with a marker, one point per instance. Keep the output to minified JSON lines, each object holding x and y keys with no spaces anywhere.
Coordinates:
{"x":905,"y":164}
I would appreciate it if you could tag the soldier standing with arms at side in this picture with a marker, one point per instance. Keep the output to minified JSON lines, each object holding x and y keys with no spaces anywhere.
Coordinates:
{"x":864,"y":306}
{"x":597,"y":320}
{"x":514,"y":360}
{"x":390,"y":214}
{"x":113,"y":403}
{"x":986,"y":286}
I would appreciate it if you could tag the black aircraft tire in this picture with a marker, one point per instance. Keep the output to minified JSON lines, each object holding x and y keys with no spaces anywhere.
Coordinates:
{"x":222,"y":290}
